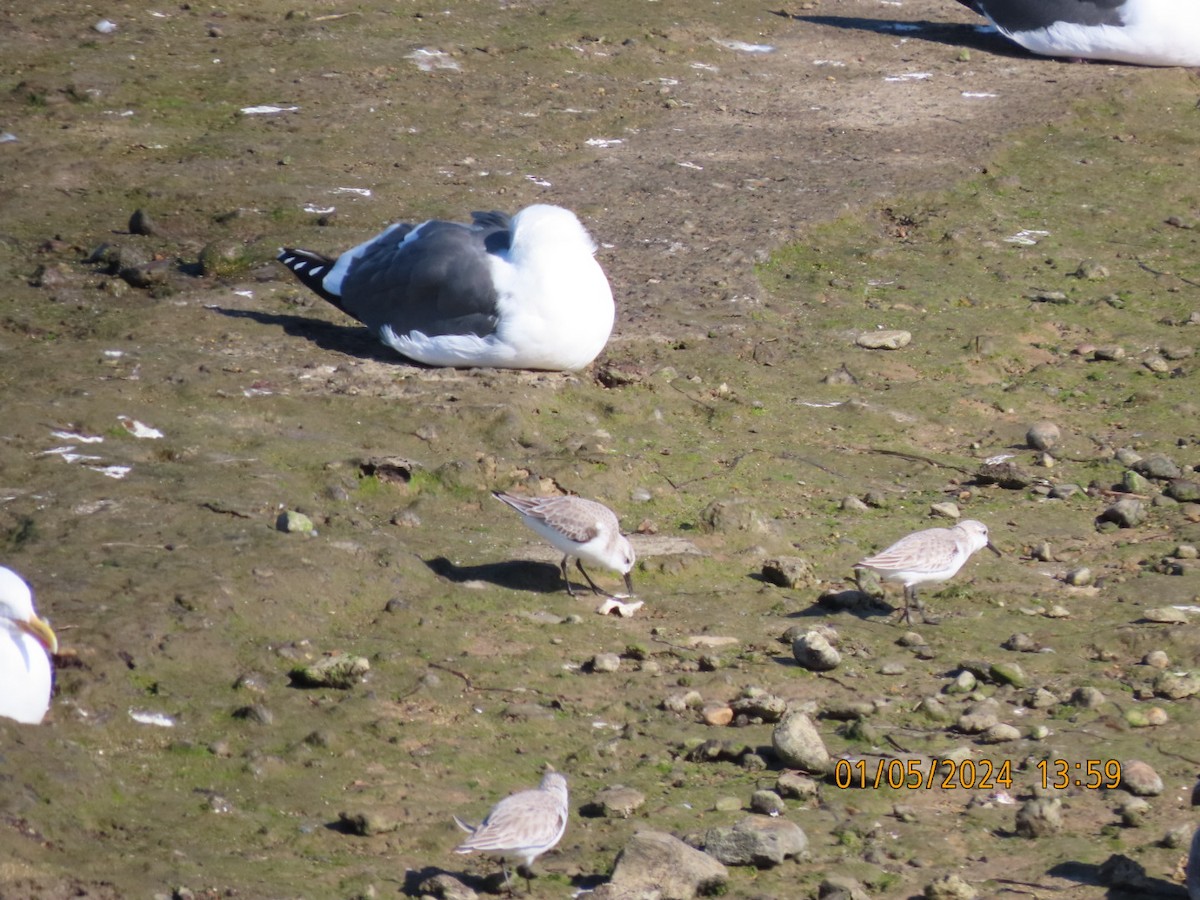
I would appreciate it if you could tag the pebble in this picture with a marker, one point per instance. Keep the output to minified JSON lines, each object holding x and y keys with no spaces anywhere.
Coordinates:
{"x":366,"y":824}
{"x":798,"y":744}
{"x":1039,"y":817}
{"x":853,"y":504}
{"x":1176,"y":686}
{"x":1088,"y":697}
{"x":979,"y":717}
{"x":256,"y":713}
{"x":1165,"y":615}
{"x":659,"y":864}
{"x":945,"y":510}
{"x":1108,"y":353}
{"x":884,"y":340}
{"x":797,"y":786}
{"x":1156,"y":659}
{"x":1158,"y":466}
{"x":1043,"y":435}
{"x":141,"y":223}
{"x":1133,"y":483}
{"x":758,"y":704}
{"x":814,"y":652}
{"x":1001,"y":733}
{"x":1091,"y":270}
{"x":950,"y":887}
{"x":1080,"y":577}
{"x":760,"y":841}
{"x":1126,"y":513}
{"x":618,"y":801}
{"x":1183,"y":491}
{"x":605,"y":662}
{"x":789,"y":572}
{"x":767,"y":803}
{"x":1021,"y":643}
{"x":1065,"y":491}
{"x":1140,"y":779}
{"x":337,"y":671}
{"x":1008,"y":673}
{"x":717,"y":714}
{"x":1133,"y":812}
{"x":293,"y":522}
{"x":1153,"y":717}
{"x":841,"y":887}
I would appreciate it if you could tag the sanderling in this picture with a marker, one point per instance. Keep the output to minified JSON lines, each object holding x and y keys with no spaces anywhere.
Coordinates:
{"x":581,"y":529}
{"x":520,"y":292}
{"x":523,"y":825}
{"x":26,"y":644}
{"x":934,"y":554}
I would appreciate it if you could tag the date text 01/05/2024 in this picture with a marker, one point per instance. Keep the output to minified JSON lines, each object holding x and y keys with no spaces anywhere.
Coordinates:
{"x":926,"y":774}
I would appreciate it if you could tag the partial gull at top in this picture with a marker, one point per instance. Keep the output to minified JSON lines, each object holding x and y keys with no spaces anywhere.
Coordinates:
{"x":519,"y":292}
{"x":1142,"y":32}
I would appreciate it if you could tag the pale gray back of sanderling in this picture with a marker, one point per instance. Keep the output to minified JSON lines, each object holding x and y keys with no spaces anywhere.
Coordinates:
{"x":935,"y":554}
{"x":26,"y":645}
{"x":581,"y":529}
{"x":522,"y":826}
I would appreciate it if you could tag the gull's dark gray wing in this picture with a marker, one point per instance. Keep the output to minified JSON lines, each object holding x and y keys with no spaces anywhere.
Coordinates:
{"x":1031,"y":15}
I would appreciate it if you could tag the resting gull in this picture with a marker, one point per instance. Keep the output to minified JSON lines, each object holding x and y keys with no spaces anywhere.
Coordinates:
{"x":26,"y":643}
{"x":520,"y":292}
{"x":1143,"y":32}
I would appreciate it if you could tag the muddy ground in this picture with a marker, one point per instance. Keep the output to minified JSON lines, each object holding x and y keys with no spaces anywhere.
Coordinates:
{"x":763,"y":209}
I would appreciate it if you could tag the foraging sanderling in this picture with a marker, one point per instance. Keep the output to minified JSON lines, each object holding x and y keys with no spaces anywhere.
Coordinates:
{"x":934,"y":554}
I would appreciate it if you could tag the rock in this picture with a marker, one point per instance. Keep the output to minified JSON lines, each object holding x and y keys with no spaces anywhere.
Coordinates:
{"x":1108,"y":353}
{"x":717,"y":714}
{"x":1090,"y":270}
{"x":294,"y":522}
{"x":1156,"y":659}
{"x":338,"y":671}
{"x":758,"y":704}
{"x":1080,"y":577}
{"x":1175,"y":686}
{"x":815,"y":653}
{"x":1157,"y":466}
{"x":141,"y":223}
{"x":759,"y":841}
{"x":798,"y":744}
{"x":884,"y":340}
{"x":618,"y":801}
{"x":725,"y":516}
{"x":945,"y":510}
{"x":656,"y":864}
{"x":223,"y":258}
{"x":1043,"y":436}
{"x":1165,"y":615}
{"x":1001,"y":733}
{"x":678,"y":703}
{"x":445,"y":886}
{"x":1021,"y":643}
{"x":605,"y":662}
{"x":1088,"y":697}
{"x":841,"y":887}
{"x":1007,"y":673}
{"x":767,"y":803}
{"x":366,"y":824}
{"x":797,"y":786}
{"x":1006,"y":473}
{"x":256,"y":713}
{"x":1126,"y":513}
{"x":1065,"y":491}
{"x":789,"y":572}
{"x":950,"y":887}
{"x":1140,"y":779}
{"x":1133,"y":483}
{"x":1133,"y":812}
{"x":1039,"y":817}
{"x":1184,"y":491}
{"x":979,"y":717}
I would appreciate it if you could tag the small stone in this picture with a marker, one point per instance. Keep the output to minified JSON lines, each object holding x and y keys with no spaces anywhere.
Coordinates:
{"x":1108,"y":353}
{"x":789,"y":572}
{"x":761,"y":705}
{"x":1140,"y":779}
{"x":1008,"y":673}
{"x":884,"y":340}
{"x":718,"y":715}
{"x":256,"y":713}
{"x":1133,"y":812}
{"x":1088,"y":697}
{"x":1065,"y":491}
{"x":1043,"y":435}
{"x":853,"y":504}
{"x":1126,"y":513}
{"x":843,"y":887}
{"x":1183,"y":491}
{"x":619,"y":801}
{"x":1165,"y":615}
{"x":1042,"y":699}
{"x":141,"y":223}
{"x":293,"y":522}
{"x":659,"y":864}
{"x":798,"y":744}
{"x":1080,"y":577}
{"x":605,"y":662}
{"x":946,"y":510}
{"x":1001,"y":733}
{"x":1186,"y":551}
{"x":979,"y":717}
{"x":759,"y":841}
{"x":767,"y":803}
{"x":1153,"y":717}
{"x":1006,"y":473}
{"x":814,"y":652}
{"x":1133,"y":483}
{"x":1156,"y":659}
{"x":444,"y":886}
{"x":1175,"y":686}
{"x":1091,"y":270}
{"x":950,"y":887}
{"x":366,"y":824}
{"x":797,"y":786}
{"x":1157,"y":466}
{"x":1021,"y":643}
{"x":1039,"y":817}
{"x":337,"y":671}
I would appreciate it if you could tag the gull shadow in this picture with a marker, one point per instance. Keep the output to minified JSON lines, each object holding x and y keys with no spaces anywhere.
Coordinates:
{"x":352,"y":340}
{"x":982,"y":37}
{"x":850,"y":600}
{"x":516,"y":575}
{"x":1124,"y":878}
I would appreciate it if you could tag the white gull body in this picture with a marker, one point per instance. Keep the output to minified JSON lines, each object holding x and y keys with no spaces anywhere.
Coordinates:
{"x":935,"y":554}
{"x":26,"y":643}
{"x":523,"y":825}
{"x":581,"y":529}
{"x":1142,"y":32}
{"x":524,"y":292}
